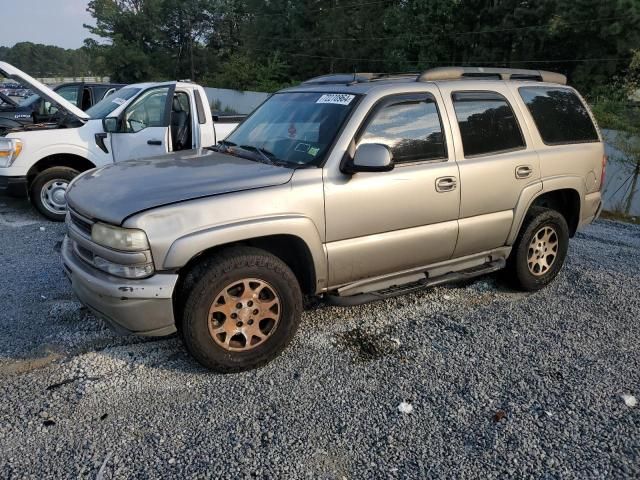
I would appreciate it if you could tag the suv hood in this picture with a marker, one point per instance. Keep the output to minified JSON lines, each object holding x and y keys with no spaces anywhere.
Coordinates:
{"x":115,"y":192}
{"x":9,"y":71}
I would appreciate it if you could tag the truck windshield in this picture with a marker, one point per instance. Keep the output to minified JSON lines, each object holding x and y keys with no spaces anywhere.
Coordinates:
{"x":296,"y":128}
{"x":108,"y":104}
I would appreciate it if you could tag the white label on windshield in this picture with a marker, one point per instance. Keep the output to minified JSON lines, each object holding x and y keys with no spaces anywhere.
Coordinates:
{"x":118,"y":101}
{"x":336,"y":98}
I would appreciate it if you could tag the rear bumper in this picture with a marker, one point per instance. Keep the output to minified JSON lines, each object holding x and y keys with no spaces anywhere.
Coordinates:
{"x":142,"y":307}
{"x":14,"y":186}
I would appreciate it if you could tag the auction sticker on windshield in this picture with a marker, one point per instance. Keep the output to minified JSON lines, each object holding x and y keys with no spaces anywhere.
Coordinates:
{"x":336,"y":98}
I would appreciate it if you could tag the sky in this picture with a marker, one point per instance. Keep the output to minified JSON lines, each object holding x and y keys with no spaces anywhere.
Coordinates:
{"x":52,"y":22}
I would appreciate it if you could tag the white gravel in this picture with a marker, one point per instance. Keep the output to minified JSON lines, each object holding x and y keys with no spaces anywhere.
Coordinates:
{"x":501,"y":384}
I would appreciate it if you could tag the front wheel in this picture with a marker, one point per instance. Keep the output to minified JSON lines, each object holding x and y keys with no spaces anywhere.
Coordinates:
{"x":48,"y":192}
{"x":540,"y":249}
{"x":242,"y":311}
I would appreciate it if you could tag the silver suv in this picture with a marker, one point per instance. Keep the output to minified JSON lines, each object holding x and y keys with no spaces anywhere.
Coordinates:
{"x":352,"y":188}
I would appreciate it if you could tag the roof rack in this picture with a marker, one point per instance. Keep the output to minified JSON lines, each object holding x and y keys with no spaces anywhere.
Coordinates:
{"x":353,"y":78}
{"x":457,"y":73}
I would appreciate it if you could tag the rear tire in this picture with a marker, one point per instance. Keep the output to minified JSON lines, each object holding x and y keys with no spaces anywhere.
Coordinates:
{"x":242,"y":311}
{"x":539,"y":251}
{"x":48,"y":192}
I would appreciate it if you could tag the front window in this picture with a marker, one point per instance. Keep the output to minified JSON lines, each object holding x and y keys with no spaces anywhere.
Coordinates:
{"x":410,"y":126}
{"x":147,"y":111}
{"x":295,"y":128}
{"x":108,"y":104}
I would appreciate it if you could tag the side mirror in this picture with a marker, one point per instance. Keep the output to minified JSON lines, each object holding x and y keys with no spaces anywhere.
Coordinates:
{"x":110,"y":124}
{"x":370,"y":157}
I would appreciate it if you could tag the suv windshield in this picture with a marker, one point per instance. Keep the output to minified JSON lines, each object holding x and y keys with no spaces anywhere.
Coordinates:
{"x":108,"y":104}
{"x":295,"y":128}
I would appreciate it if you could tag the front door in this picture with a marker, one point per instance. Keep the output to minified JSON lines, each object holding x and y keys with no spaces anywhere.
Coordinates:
{"x":144,"y":129}
{"x":385,"y":222}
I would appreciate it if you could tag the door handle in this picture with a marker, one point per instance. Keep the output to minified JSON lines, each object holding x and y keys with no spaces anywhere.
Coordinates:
{"x":523,"y":171}
{"x":446,"y":184}
{"x":154,"y":142}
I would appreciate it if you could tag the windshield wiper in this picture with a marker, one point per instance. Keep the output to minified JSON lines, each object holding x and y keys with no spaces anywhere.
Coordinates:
{"x":223,"y":143}
{"x":268,"y":157}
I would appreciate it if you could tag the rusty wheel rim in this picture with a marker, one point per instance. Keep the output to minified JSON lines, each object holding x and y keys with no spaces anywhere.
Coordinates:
{"x":543,"y":251}
{"x":244,"y":314}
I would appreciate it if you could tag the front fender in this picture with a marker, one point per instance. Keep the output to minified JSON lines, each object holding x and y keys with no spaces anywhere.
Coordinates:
{"x":187,"y":247}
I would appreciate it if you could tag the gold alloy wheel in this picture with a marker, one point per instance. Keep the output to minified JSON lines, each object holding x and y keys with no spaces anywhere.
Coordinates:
{"x":543,"y":251}
{"x":244,"y":314}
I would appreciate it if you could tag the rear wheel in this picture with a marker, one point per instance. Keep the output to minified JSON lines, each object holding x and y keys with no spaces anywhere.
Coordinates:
{"x":48,"y":191}
{"x":540,"y":249}
{"x":242,"y":311}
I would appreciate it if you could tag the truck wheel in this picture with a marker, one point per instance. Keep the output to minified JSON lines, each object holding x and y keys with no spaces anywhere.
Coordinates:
{"x":540,"y":249}
{"x":48,"y":192}
{"x":242,"y":311}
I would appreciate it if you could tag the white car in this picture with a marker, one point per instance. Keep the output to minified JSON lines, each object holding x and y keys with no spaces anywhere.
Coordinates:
{"x":138,"y":121}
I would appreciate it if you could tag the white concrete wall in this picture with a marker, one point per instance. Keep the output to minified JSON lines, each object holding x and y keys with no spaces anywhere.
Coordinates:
{"x":240,"y":102}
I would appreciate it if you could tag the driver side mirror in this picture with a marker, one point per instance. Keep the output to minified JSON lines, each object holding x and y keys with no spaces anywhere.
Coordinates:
{"x":111,"y":125}
{"x":370,"y":157}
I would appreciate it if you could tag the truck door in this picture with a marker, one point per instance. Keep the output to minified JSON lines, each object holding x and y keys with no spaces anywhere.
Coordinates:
{"x":144,"y":130}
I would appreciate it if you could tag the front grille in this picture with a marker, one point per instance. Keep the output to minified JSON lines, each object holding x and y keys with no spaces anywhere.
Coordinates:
{"x":81,"y":223}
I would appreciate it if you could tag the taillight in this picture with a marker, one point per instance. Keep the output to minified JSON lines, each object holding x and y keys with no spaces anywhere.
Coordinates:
{"x":604,"y":171}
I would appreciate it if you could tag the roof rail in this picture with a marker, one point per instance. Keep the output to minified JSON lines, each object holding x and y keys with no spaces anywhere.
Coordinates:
{"x":457,"y":73}
{"x":353,"y":78}
{"x":340,"y":78}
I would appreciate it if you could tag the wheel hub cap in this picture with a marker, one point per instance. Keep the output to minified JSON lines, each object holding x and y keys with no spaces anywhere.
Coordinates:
{"x":244,"y":314}
{"x":53,"y":195}
{"x":543,"y":251}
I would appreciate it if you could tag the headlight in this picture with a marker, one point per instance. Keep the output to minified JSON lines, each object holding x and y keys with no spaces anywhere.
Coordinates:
{"x":127,"y":239}
{"x":126,"y":271}
{"x":10,"y":148}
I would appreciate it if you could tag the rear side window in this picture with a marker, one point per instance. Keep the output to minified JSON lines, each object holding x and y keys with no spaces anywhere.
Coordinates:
{"x":410,"y":126}
{"x":560,"y":115}
{"x":487,"y":123}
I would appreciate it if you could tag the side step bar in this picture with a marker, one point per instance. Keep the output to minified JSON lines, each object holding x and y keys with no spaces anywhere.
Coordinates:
{"x":361,"y":298}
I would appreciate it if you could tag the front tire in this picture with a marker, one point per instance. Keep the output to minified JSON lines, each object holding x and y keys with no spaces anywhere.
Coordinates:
{"x":48,"y":192}
{"x":242,"y":311}
{"x":539,"y":251}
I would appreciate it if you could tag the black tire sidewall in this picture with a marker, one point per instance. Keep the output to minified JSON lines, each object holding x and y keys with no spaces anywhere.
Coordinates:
{"x":541,"y":217}
{"x":63,"y":173}
{"x":195,"y":329}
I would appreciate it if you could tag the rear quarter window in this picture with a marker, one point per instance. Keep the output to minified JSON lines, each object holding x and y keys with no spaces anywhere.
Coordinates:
{"x":559,"y":115}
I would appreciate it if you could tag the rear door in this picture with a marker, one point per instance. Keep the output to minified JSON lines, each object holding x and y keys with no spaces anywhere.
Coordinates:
{"x":496,"y":158}
{"x":144,"y":126}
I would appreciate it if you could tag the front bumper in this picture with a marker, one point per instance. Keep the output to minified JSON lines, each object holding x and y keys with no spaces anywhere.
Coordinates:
{"x":14,"y":186}
{"x":141,"y":307}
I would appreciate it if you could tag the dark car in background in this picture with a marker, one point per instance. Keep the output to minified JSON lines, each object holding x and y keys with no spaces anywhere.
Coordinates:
{"x":14,"y":113}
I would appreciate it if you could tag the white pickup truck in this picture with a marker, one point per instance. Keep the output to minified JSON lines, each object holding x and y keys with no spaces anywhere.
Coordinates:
{"x":138,"y":121}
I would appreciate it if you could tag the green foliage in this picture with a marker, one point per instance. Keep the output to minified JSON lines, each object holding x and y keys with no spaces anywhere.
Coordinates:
{"x":264,"y":45}
{"x":46,"y":60}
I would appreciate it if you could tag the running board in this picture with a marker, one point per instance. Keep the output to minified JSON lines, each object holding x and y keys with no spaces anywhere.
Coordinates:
{"x":361,"y":298}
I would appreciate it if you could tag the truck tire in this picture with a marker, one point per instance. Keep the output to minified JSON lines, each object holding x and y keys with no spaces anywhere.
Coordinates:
{"x":539,"y":251}
{"x":242,"y":310}
{"x":48,"y":191}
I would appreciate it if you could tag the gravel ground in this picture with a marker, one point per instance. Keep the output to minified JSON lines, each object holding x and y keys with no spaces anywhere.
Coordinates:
{"x":466,"y":381}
